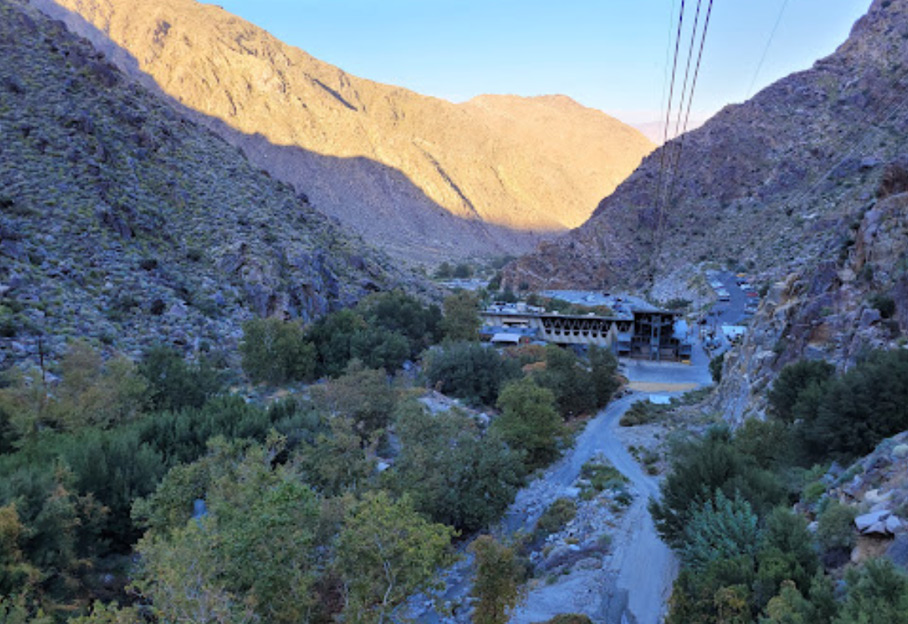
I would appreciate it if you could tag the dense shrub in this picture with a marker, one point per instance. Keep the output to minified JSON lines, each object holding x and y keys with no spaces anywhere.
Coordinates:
{"x":792,"y":381}
{"x":701,"y":468}
{"x":641,"y":413}
{"x":555,"y":517}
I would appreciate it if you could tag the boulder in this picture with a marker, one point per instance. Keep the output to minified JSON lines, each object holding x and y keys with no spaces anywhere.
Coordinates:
{"x":589,"y":563}
{"x":869,"y":316}
{"x":873,"y":496}
{"x":894,"y":524}
{"x":877,"y":528}
{"x":900,"y":451}
{"x":865,"y":521}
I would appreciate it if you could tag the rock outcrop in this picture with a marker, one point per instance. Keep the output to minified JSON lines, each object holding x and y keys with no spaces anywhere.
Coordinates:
{"x":426,"y":179}
{"x":853,"y":299}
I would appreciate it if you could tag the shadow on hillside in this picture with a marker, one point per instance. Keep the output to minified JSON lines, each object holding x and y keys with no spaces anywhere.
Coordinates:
{"x":375,"y":200}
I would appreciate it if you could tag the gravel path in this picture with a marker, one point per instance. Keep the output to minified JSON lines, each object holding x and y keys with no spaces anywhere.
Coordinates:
{"x":634,"y":582}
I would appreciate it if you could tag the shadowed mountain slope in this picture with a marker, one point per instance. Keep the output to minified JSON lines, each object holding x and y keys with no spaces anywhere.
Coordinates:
{"x":767,"y":185}
{"x":521,"y":165}
{"x":124,"y":223}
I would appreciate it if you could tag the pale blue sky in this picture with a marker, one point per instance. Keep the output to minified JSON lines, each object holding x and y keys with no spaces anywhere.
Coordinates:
{"x":607,"y":54}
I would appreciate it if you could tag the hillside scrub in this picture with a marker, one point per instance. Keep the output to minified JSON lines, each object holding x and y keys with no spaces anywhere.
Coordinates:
{"x":725,"y":506}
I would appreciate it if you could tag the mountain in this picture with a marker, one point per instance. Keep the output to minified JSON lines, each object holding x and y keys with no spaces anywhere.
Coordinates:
{"x":655,"y":130}
{"x":426,"y":179}
{"x":126,"y":224}
{"x":852,"y":300}
{"x":768,"y":186}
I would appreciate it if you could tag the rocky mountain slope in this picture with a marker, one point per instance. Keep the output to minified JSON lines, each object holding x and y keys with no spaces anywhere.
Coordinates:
{"x":123,"y":223}
{"x":852,"y":300}
{"x":768,"y":185}
{"x":425,"y":178}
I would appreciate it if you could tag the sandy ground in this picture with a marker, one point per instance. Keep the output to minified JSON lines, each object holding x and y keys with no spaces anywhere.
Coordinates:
{"x":655,"y":386}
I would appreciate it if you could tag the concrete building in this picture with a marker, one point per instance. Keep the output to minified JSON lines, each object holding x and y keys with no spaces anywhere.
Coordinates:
{"x":647,"y":333}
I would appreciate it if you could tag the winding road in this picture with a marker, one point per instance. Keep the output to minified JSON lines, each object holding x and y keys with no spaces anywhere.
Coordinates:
{"x":636,"y":581}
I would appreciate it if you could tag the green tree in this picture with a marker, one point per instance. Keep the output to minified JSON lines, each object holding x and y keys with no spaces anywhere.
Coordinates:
{"x":115,"y":467}
{"x":792,"y":381}
{"x":339,"y":461}
{"x":787,"y":532}
{"x":332,"y":336}
{"x":276,"y":351}
{"x":496,"y":583}
{"x":569,"y":382}
{"x":254,"y":552}
{"x":386,"y":551}
{"x":16,"y":574}
{"x":529,"y":422}
{"x":788,"y":607}
{"x":174,"y":383}
{"x":699,"y":468}
{"x":719,"y":528}
{"x":451,"y":473}
{"x":109,"y":614}
{"x":603,"y":374}
{"x":363,"y":394}
{"x":469,"y":371}
{"x":461,"y":316}
{"x":400,"y":313}
{"x":864,"y":406}
{"x":462,"y":271}
{"x":377,"y":347}
{"x":94,"y":393}
{"x":715,"y":367}
{"x":444,"y":271}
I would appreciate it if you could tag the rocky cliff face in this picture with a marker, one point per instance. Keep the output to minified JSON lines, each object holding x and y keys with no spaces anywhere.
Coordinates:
{"x":764,"y":185}
{"x":425,"y":178}
{"x":853,"y":299}
{"x":126,"y":224}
